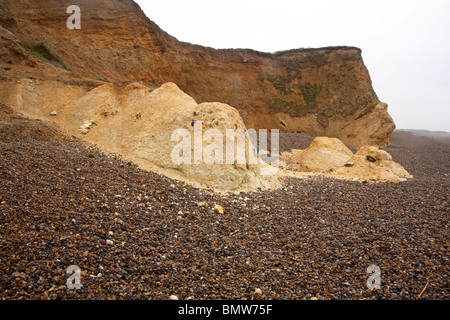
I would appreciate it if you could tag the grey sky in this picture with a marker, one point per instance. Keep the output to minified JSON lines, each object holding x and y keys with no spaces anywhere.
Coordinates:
{"x":405,"y":44}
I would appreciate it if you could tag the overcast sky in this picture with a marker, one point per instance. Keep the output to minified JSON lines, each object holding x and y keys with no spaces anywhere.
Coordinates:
{"x":405,"y":44}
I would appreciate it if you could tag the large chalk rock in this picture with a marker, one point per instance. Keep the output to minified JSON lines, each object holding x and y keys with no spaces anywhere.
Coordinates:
{"x":323,"y":155}
{"x":151,"y":128}
{"x":374,"y":165}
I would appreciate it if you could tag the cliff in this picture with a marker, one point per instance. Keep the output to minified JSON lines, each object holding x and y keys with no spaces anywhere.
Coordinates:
{"x":324,"y":91}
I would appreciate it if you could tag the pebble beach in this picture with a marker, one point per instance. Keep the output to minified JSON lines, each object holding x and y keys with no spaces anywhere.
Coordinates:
{"x":138,"y":235}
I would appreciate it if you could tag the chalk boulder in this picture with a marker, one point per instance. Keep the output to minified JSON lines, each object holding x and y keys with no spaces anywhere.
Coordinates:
{"x":323,"y":155}
{"x":374,"y":165}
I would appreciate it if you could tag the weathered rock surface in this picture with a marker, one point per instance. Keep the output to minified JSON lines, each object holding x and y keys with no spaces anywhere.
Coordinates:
{"x":323,"y":155}
{"x":323,"y":92}
{"x":372,"y":164}
{"x":106,"y":116}
{"x":331,"y":158}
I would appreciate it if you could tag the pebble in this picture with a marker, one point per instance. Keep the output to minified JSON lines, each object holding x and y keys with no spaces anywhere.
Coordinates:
{"x":173,"y":297}
{"x":218,"y":209}
{"x":202,"y":204}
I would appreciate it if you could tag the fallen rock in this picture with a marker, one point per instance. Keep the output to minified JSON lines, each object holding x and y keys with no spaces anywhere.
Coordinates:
{"x":372,"y":164}
{"x":202,"y":204}
{"x":218,"y":209}
{"x":167,"y":132}
{"x":323,"y":155}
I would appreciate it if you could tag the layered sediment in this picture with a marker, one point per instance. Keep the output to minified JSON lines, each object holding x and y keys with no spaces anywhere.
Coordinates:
{"x":322,"y":92}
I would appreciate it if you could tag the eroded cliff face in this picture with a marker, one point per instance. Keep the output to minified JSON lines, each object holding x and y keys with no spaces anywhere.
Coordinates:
{"x":326,"y":92}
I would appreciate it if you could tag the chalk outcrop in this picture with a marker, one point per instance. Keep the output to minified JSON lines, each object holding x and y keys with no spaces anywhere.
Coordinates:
{"x":169,"y":119}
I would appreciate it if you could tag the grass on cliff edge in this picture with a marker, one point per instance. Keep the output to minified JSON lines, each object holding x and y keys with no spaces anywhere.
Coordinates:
{"x":42,"y":51}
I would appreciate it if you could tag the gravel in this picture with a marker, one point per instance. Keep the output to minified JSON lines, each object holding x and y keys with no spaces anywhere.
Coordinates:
{"x":138,"y":235}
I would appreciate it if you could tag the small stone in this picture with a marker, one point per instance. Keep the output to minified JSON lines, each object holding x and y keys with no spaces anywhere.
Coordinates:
{"x":86,"y":126}
{"x":314,"y":298}
{"x":111,"y":233}
{"x":110,"y":242}
{"x":202,"y":204}
{"x":54,"y":113}
{"x":19,"y":275}
{"x":258,"y":291}
{"x":218,"y":209}
{"x":350,"y":164}
{"x":173,"y":297}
